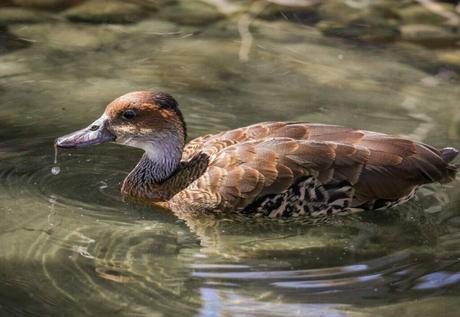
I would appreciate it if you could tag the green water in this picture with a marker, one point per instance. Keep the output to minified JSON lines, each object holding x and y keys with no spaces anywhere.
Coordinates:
{"x":70,"y":246}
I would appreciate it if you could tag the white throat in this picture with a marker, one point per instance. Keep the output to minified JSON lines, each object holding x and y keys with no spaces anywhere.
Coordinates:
{"x":163,"y":153}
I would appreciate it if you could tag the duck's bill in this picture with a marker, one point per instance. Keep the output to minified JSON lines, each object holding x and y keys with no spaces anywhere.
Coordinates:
{"x":96,"y":133}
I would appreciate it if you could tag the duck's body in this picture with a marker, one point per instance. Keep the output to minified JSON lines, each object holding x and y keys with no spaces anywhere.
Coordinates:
{"x":284,"y":169}
{"x":277,"y":169}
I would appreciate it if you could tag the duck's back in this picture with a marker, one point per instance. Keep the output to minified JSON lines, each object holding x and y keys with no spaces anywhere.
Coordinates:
{"x":284,"y":169}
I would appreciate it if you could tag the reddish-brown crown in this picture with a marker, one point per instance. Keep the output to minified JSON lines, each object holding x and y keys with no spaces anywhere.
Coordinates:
{"x":143,"y":111}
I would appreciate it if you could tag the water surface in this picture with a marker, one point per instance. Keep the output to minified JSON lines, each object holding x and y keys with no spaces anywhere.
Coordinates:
{"x":69,"y":244}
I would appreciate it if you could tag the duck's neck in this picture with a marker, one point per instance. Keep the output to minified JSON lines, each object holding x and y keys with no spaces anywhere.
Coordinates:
{"x":158,"y":164}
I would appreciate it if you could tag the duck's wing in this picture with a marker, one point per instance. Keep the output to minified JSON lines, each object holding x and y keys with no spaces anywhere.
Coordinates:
{"x":268,"y":158}
{"x":214,"y":143}
{"x":397,"y":165}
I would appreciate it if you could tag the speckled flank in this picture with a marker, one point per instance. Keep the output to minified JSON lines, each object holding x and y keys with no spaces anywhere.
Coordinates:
{"x":307,"y":197}
{"x":380,"y":204}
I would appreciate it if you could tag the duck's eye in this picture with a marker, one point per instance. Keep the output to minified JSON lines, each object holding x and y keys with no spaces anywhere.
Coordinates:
{"x":128,"y":114}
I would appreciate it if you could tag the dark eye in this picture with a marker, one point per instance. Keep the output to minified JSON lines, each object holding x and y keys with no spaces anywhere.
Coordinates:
{"x":128,"y":114}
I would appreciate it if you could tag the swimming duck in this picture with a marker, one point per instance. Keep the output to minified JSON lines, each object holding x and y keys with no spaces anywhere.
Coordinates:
{"x":275,"y":169}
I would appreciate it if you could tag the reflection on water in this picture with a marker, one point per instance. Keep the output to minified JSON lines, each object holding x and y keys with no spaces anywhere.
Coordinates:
{"x":70,"y":245}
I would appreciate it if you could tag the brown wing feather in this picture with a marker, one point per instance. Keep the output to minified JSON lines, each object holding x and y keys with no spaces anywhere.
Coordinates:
{"x":396,"y":166}
{"x":267,"y":158}
{"x":257,"y":168}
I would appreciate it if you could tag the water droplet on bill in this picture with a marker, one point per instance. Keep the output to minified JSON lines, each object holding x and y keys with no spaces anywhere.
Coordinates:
{"x":55,"y":170}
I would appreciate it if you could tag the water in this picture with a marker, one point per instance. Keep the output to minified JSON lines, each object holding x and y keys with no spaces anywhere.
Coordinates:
{"x":70,"y":245}
{"x":55,"y":170}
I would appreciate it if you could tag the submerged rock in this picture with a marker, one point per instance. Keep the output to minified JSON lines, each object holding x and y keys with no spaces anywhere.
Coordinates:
{"x":10,"y":42}
{"x":363,"y":29}
{"x":66,"y":37}
{"x":429,"y":35}
{"x":285,"y":32}
{"x":450,"y":56}
{"x":336,"y":10}
{"x":418,"y":14}
{"x":13,"y":15}
{"x":105,"y":11}
{"x":304,"y":12}
{"x":10,"y":67}
{"x":157,"y":4}
{"x":153,"y":27}
{"x":46,"y":4}
{"x":373,"y":23}
{"x":191,"y":13}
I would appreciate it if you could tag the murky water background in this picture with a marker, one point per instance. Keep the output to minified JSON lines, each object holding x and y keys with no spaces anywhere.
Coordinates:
{"x":69,"y":246}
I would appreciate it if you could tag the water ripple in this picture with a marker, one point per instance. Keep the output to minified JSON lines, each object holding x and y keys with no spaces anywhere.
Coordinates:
{"x":86,"y":182}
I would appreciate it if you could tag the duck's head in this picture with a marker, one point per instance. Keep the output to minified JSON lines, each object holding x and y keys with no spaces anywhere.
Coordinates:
{"x":143,"y":119}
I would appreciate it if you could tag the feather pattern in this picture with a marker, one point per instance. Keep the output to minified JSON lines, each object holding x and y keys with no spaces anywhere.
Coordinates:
{"x":266,"y":159}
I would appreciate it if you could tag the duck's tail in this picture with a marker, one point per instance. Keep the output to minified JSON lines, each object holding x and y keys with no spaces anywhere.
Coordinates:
{"x":448,"y":154}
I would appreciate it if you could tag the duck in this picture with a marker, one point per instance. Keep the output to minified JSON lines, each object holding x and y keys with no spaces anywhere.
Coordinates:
{"x":272,"y":169}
